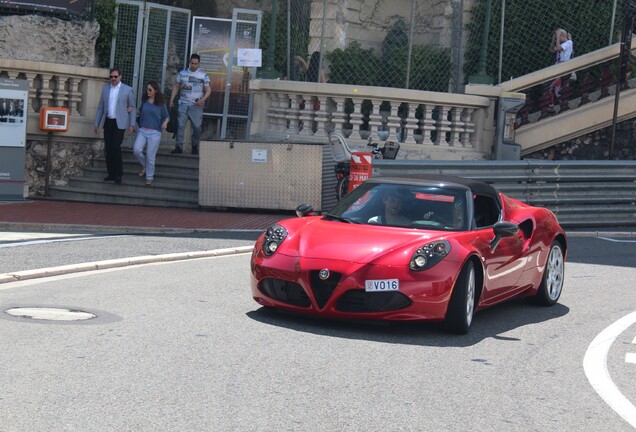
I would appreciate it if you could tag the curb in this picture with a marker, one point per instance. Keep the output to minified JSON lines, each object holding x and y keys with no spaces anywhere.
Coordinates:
{"x":13,"y":226}
{"x":118,"y":263}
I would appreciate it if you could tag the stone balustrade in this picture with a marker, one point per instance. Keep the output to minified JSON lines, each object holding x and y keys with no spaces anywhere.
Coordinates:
{"x":428,"y":125}
{"x":50,"y":84}
{"x":73,"y":87}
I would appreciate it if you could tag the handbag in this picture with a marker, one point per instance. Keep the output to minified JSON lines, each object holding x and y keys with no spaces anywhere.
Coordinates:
{"x":173,"y":123}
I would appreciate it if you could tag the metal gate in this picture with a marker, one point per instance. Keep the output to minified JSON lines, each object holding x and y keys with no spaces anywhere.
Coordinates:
{"x":227,"y":113}
{"x":150,"y":43}
{"x":237,"y":104}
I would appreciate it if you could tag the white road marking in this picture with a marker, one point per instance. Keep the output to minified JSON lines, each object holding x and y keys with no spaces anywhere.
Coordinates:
{"x":56,"y":240}
{"x":21,"y":236}
{"x":617,"y":240}
{"x":16,"y":236}
{"x":595,"y":366}
{"x":631,"y":357}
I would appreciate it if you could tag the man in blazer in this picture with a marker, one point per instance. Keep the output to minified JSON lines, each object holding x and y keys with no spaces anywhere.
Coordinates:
{"x":117,"y":108}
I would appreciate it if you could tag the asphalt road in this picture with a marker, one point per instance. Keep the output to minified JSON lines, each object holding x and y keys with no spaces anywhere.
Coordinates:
{"x":182,"y":346}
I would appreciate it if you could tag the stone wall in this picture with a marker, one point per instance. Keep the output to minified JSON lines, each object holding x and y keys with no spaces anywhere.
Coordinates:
{"x":368,"y":21}
{"x":52,"y":40}
{"x":67,"y":160}
{"x":38,"y":38}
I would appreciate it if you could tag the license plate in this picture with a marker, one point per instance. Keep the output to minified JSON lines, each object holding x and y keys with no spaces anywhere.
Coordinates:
{"x":381,"y":285}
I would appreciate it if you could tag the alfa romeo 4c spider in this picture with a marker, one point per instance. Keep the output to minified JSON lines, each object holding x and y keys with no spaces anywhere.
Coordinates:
{"x":429,"y":249}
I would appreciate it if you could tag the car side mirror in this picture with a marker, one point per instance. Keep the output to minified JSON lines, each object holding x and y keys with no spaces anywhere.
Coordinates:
{"x":501,"y":230}
{"x":304,"y":210}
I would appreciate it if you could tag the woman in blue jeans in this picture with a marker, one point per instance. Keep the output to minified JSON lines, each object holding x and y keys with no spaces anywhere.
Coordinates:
{"x":153,"y":119}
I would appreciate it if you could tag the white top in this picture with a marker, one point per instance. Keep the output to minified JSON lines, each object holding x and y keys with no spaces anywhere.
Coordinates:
{"x":566,"y":51}
{"x":112,"y":101}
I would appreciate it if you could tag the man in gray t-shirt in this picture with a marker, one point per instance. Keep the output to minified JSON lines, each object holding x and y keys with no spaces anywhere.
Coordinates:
{"x":194,"y":85}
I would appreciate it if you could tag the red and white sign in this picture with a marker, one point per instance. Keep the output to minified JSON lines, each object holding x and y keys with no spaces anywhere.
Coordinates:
{"x":360,"y":169}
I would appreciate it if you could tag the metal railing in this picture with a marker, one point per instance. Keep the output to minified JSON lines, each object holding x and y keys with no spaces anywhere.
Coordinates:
{"x":580,"y":193}
{"x":583,"y":105}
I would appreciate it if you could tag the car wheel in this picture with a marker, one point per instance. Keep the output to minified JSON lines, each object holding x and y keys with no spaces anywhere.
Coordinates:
{"x":461,"y":307}
{"x":552,"y":281}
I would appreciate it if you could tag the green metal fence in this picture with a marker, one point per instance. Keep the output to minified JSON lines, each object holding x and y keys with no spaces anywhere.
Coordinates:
{"x":430,"y":45}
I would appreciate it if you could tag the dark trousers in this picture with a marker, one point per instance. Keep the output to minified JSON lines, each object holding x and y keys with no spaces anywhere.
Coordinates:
{"x":113,"y":137}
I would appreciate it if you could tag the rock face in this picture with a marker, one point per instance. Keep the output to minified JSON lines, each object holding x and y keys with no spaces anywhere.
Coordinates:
{"x":36,"y":38}
{"x":67,"y":160}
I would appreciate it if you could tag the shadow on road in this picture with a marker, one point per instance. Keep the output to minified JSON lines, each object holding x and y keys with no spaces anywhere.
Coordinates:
{"x":602,"y":251}
{"x":493,"y":322}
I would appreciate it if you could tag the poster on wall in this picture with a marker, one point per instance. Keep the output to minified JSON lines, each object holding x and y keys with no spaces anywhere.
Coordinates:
{"x":211,"y":40}
{"x":13,"y":117}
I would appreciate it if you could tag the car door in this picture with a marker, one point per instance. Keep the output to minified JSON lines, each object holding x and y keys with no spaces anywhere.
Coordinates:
{"x":504,"y":265}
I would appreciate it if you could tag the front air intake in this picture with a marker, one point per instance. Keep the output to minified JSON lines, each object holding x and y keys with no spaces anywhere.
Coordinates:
{"x":323,"y":289}
{"x":285,"y":291}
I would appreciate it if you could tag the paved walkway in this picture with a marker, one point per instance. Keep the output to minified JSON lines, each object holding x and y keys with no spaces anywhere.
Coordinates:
{"x":53,"y":215}
{"x":65,"y":215}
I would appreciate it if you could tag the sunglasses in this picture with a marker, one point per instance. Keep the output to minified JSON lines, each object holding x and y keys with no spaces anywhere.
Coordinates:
{"x":114,"y":76}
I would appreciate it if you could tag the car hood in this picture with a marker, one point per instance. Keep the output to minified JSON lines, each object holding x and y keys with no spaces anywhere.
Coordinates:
{"x":357,"y":243}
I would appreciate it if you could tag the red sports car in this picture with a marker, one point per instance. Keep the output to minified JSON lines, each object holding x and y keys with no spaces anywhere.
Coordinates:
{"x":436,"y":248}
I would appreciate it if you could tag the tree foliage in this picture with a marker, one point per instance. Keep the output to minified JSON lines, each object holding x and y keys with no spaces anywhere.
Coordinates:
{"x":299,"y":34}
{"x":354,"y":65}
{"x":430,"y":67}
{"x":104,"y":13}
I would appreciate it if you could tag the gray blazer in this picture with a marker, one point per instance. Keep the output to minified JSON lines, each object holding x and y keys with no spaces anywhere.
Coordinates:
{"x":124,"y":100}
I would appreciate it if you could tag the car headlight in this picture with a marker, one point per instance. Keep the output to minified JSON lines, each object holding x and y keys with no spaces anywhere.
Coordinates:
{"x":429,"y":255}
{"x":274,"y":236}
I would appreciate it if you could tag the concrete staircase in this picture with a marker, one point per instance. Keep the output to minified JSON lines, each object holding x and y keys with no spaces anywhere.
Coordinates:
{"x":578,"y":120}
{"x":581,"y":118}
{"x":176,"y":183}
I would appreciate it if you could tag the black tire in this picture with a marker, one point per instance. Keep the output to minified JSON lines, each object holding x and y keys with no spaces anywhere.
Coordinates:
{"x":461,"y":307}
{"x":552,"y":280}
{"x":341,"y":188}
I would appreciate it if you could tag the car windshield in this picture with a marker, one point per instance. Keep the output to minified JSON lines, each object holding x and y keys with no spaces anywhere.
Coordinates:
{"x":404,"y":205}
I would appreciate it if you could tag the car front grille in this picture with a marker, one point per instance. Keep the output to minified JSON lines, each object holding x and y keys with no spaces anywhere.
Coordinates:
{"x":362,"y":301}
{"x":285,"y":291}
{"x":323,"y":289}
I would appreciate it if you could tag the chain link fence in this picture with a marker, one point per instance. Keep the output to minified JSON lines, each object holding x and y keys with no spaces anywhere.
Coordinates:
{"x":521,"y":33}
{"x":421,"y":45}
{"x":426,"y":45}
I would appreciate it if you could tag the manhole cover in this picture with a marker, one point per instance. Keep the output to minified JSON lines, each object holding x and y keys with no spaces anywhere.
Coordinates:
{"x":50,"y":314}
